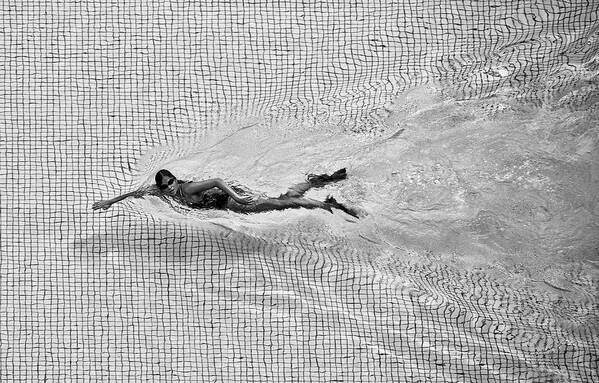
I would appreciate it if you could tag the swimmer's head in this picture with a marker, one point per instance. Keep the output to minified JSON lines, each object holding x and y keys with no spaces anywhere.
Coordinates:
{"x":167,"y":182}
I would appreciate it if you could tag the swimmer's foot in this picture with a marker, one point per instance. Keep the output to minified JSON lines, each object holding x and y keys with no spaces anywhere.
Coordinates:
{"x":318,"y":180}
{"x":333,"y":202}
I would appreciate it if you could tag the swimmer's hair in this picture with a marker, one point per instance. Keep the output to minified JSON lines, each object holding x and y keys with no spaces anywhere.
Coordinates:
{"x":160,"y":175}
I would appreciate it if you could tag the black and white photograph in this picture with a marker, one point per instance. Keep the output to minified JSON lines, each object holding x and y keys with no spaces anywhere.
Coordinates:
{"x":298,"y":191}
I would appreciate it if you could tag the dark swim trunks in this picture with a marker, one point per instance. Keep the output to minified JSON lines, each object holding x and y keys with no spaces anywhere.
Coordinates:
{"x":212,"y":199}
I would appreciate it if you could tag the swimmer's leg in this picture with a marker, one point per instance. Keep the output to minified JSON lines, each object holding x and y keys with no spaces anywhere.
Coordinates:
{"x":333,"y":203}
{"x":282,"y":203}
{"x":308,"y":203}
{"x":314,"y":181}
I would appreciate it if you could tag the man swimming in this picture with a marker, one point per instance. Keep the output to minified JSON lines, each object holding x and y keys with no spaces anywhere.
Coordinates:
{"x":217,"y":194}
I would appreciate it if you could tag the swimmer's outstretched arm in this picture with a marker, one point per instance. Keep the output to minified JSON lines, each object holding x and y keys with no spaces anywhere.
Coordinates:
{"x":201,"y":186}
{"x":139,"y":193}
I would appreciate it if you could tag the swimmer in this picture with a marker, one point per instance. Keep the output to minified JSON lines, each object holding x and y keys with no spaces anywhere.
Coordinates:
{"x":217,"y":194}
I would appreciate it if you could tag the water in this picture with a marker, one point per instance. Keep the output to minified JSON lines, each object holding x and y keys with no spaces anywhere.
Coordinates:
{"x":513,"y":188}
{"x":469,"y":132}
{"x":481,"y":225}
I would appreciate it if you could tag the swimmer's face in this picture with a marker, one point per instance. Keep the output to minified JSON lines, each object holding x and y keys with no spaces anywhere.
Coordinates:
{"x":170,"y":185}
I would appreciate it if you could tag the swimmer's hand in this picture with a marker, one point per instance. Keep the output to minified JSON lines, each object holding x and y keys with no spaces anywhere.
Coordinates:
{"x":139,"y":193}
{"x":245,"y":199}
{"x":104,"y":205}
